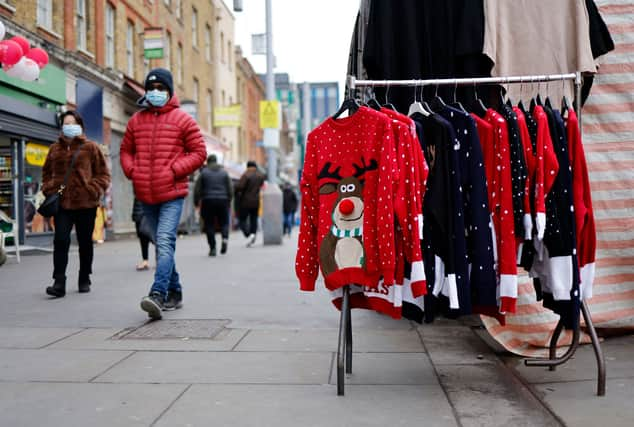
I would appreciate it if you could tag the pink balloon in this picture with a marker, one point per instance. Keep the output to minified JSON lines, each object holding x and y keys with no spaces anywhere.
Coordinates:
{"x":39,"y":56}
{"x":24,"y":43}
{"x":10,"y":52}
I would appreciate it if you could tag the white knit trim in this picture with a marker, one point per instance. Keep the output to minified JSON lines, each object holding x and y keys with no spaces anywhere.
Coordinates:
{"x":439,"y":275}
{"x":420,"y":226}
{"x":560,"y":272}
{"x":540,"y":223}
{"x":528,"y":226}
{"x":450,"y":290}
{"x":508,"y":285}
{"x":587,"y":280}
{"x":418,"y":271}
{"x":495,"y":240}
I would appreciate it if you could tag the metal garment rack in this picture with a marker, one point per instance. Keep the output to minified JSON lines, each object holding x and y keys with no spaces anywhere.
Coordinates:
{"x":344,"y":348}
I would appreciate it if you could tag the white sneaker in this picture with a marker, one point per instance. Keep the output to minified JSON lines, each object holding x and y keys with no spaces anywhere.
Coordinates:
{"x":251,"y":240}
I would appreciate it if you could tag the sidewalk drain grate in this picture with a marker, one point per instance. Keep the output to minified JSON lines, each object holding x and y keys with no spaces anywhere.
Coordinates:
{"x":176,"y":329}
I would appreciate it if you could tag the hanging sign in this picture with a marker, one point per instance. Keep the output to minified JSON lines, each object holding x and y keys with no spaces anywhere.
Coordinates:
{"x":153,"y":43}
{"x":229,"y":117}
{"x":36,"y":154}
{"x":269,"y":114}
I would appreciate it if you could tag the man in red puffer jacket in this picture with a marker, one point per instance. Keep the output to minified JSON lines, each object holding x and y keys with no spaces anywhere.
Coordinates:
{"x":162,"y":145}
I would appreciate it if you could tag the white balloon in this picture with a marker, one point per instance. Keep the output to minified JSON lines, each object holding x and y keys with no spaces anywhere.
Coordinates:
{"x":30,"y":70}
{"x":17,"y":70}
{"x":2,"y":30}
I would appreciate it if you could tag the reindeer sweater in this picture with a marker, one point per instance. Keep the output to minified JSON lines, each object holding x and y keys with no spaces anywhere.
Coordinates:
{"x":347,"y":216}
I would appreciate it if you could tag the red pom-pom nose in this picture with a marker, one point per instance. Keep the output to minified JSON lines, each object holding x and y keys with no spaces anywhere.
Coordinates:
{"x":346,"y":207}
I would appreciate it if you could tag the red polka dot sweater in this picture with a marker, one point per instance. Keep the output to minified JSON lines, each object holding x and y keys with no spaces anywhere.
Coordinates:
{"x":495,"y":150}
{"x":347,"y":217}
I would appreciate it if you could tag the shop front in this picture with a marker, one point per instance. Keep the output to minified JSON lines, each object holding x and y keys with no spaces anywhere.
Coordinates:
{"x":28,"y":126}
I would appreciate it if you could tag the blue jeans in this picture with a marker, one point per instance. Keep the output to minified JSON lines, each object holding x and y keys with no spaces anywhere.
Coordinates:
{"x":164,"y":218}
{"x":289,"y":220}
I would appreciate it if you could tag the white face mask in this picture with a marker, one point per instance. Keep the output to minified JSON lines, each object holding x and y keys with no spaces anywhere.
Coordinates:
{"x":72,"y":131}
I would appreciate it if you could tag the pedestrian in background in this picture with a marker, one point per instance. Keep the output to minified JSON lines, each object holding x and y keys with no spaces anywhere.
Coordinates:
{"x":161,"y":147}
{"x":88,"y":181}
{"x":289,"y":207}
{"x":213,"y":192}
{"x":142,"y":232}
{"x":248,"y":193}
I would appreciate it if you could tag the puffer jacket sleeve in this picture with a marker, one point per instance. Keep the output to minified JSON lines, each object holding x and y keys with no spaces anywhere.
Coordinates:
{"x":195,"y":150}
{"x":128,"y":148}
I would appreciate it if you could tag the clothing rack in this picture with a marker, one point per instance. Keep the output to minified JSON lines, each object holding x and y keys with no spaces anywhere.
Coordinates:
{"x":344,"y":348}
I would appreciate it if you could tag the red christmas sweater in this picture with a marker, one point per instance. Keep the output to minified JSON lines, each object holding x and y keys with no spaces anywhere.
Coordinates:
{"x":347,"y":212}
{"x":494,"y":139}
{"x":582,"y":202}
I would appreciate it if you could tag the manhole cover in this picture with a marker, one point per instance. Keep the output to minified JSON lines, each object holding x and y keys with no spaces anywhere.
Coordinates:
{"x":176,"y":329}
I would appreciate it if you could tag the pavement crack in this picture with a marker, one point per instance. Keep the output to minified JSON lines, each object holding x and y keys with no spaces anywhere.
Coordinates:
{"x":62,"y":339}
{"x":240,"y":340}
{"x":171,"y":405}
{"x":112,"y":366}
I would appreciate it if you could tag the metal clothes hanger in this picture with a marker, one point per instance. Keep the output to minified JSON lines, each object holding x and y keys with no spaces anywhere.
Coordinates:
{"x":372,"y":102}
{"x":416,"y":106}
{"x":456,"y":103}
{"x":387,"y":103}
{"x":478,"y":106}
{"x":350,"y":104}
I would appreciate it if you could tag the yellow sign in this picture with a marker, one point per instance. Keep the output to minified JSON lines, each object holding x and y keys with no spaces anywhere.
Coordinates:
{"x":36,"y":154}
{"x":269,"y":114}
{"x":230,"y":117}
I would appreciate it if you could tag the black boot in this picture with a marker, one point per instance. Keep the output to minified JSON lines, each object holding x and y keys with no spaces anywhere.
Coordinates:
{"x":223,"y":247}
{"x":83,"y":285}
{"x":58,"y":290}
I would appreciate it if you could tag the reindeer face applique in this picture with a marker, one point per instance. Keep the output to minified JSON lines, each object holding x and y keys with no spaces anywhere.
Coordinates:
{"x":343,"y":245}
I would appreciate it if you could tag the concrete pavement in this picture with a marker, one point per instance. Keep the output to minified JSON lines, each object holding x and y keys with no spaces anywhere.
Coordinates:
{"x":249,"y":349}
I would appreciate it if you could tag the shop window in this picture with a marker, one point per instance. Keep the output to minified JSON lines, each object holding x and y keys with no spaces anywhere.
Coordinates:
{"x":45,"y":13}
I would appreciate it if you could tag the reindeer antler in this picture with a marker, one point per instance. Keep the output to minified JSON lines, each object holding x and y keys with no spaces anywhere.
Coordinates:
{"x":327,"y":173}
{"x":360,"y":171}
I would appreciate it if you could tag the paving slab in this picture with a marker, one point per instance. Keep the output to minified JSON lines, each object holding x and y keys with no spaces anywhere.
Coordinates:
{"x":222,"y":368}
{"x":390,"y":369}
{"x":106,"y":339}
{"x":314,"y":406}
{"x":15,"y":337}
{"x":486,"y":395}
{"x":326,"y":340}
{"x":582,"y":366}
{"x":81,"y":405}
{"x":456,"y":345}
{"x":56,"y":365}
{"x":578,"y":405}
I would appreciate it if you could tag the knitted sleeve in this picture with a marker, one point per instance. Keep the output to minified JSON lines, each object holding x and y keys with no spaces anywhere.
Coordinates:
{"x":529,"y":156}
{"x":385,"y":206}
{"x":306,"y":262}
{"x":546,"y":170}
{"x":503,"y":215}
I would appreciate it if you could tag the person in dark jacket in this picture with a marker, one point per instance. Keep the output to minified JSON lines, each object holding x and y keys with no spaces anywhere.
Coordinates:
{"x":289,"y":207}
{"x":248,"y":192}
{"x":161,"y":147}
{"x":213,"y":193}
{"x":141,"y":232}
{"x":88,"y":181}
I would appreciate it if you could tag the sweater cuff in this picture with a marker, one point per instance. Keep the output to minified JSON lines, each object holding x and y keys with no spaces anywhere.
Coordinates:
{"x":307,"y":284}
{"x":388,"y":277}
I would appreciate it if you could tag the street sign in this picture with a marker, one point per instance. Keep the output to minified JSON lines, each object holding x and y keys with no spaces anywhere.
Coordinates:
{"x":258,"y":44}
{"x":228,"y":116}
{"x":269,"y":114}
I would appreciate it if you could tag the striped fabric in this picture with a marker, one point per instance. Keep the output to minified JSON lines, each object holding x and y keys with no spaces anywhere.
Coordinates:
{"x":608,"y":137}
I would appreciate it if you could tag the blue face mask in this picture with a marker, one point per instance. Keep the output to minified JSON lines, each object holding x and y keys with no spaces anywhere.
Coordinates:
{"x":71,"y":131}
{"x":156,"y":97}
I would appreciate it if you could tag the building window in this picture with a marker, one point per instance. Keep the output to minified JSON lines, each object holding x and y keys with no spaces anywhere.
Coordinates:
{"x":110,"y":28}
{"x":179,"y":64}
{"x":222,"y":47}
{"x":195,"y":89}
{"x":167,"y":2}
{"x":194,"y":27}
{"x":179,"y":9}
{"x":208,"y":43}
{"x":80,"y":23}
{"x":210,"y":111}
{"x":168,"y":51}
{"x":129,"y":49}
{"x":45,"y":13}
{"x":230,"y":55}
